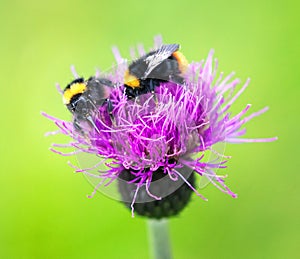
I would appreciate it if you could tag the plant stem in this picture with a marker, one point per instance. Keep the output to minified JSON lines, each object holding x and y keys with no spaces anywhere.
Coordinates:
{"x":159,"y":238}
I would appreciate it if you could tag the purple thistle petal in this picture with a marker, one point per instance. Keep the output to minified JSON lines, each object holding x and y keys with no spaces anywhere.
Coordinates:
{"x":245,"y":140}
{"x":236,"y":96}
{"x":59,"y":88}
{"x":73,"y":70}
{"x":117,"y":55}
{"x":158,"y":41}
{"x":197,"y":193}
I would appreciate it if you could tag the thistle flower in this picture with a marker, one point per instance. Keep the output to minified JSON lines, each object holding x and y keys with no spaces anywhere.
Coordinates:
{"x":154,"y":145}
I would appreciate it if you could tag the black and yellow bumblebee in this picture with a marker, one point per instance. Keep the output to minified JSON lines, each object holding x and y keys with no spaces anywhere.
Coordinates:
{"x":84,"y":97}
{"x":161,"y":65}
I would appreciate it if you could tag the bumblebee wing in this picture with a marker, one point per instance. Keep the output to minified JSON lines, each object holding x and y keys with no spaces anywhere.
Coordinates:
{"x":157,"y":57}
{"x":99,"y":89}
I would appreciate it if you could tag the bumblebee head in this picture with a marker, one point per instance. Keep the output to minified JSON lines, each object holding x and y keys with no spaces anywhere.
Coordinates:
{"x":72,"y":93}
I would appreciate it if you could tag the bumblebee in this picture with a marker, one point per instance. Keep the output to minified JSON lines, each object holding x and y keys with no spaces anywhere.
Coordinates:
{"x":82,"y":98}
{"x":161,"y":65}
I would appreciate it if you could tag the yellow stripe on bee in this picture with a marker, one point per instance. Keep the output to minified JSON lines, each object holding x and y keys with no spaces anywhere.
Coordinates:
{"x":182,"y":61}
{"x":131,"y":80}
{"x":77,"y":88}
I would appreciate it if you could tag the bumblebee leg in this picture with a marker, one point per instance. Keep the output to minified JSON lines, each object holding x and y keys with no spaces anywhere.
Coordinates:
{"x":77,"y":127}
{"x":79,"y":130}
{"x":152,"y":88}
{"x":129,"y":92}
{"x":110,"y":108}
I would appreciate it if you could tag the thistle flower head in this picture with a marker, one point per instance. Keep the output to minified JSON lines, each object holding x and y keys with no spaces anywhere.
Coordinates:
{"x":154,"y":144}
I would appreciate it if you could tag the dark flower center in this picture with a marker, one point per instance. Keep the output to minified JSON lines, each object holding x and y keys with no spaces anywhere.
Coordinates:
{"x":175,"y":195}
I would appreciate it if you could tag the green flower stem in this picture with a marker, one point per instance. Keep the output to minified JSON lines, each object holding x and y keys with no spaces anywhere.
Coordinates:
{"x":159,"y":238}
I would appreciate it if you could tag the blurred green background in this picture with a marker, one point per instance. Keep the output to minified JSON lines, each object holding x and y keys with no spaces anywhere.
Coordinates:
{"x":44,"y":209}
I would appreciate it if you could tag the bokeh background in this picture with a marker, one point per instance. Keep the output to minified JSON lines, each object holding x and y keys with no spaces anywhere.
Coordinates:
{"x":45,"y":212}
